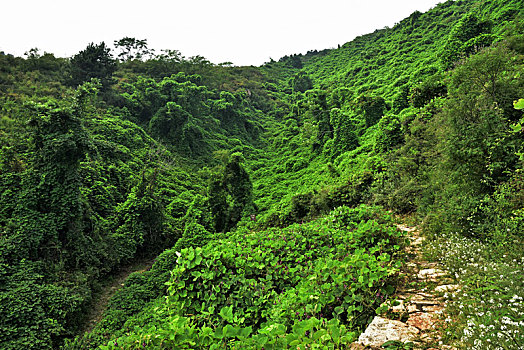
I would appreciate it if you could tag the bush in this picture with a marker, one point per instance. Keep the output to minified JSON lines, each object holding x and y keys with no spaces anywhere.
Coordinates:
{"x":278,"y":288}
{"x":389,"y":134}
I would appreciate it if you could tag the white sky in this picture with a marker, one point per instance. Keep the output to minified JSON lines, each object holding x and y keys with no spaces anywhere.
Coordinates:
{"x":240,"y":31}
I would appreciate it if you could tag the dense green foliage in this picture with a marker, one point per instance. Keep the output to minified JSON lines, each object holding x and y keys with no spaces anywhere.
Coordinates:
{"x":308,"y":283}
{"x":248,"y":182}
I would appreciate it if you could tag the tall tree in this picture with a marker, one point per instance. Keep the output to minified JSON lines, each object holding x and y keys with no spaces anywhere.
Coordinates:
{"x":95,"y":61}
{"x":132,"y":49}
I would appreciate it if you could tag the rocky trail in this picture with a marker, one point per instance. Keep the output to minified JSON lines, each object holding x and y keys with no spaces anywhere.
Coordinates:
{"x":110,"y":287}
{"x":415,"y":311}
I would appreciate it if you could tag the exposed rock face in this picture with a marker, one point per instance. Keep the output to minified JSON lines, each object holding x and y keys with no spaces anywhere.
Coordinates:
{"x":381,"y":330}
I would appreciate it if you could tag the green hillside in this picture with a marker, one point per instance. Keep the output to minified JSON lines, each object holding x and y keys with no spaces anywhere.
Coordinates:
{"x":267,"y":196}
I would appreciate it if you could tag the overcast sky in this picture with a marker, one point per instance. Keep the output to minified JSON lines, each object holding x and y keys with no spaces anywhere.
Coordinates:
{"x":240,"y":31}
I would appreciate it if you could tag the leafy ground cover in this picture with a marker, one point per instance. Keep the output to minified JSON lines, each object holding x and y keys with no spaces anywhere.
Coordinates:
{"x":312,"y":283}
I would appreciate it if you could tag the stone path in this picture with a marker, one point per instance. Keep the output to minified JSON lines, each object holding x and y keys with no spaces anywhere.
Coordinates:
{"x":109,"y":288}
{"x":415,"y":309}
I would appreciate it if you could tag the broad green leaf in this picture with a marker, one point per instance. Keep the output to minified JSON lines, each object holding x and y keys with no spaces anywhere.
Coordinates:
{"x":274,"y":330}
{"x":230,"y":331}
{"x":245,"y":332}
{"x":519,"y":104}
{"x":516,"y":127}
{"x":227,"y":313}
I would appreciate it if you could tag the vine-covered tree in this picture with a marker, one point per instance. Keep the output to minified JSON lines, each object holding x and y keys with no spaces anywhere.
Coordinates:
{"x":372,"y":108}
{"x":301,"y":82}
{"x":230,"y":194}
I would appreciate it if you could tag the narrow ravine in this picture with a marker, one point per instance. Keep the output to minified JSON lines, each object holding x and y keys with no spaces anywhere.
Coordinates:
{"x":110,"y":287}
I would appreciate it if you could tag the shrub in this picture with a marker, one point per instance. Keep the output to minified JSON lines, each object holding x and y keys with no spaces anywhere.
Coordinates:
{"x":313,"y":283}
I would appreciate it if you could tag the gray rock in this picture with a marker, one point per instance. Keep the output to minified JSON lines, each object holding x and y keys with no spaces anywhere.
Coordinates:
{"x":381,"y":330}
{"x":447,"y":288}
{"x":406,"y":228}
{"x":430,"y":273}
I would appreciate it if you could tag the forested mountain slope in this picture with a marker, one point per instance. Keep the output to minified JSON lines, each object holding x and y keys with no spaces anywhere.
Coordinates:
{"x":398,"y":73}
{"x":263,"y":191}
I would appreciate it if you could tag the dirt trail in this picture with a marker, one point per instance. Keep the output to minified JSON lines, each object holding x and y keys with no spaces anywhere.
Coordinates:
{"x":109,"y":288}
{"x":416,"y":309}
